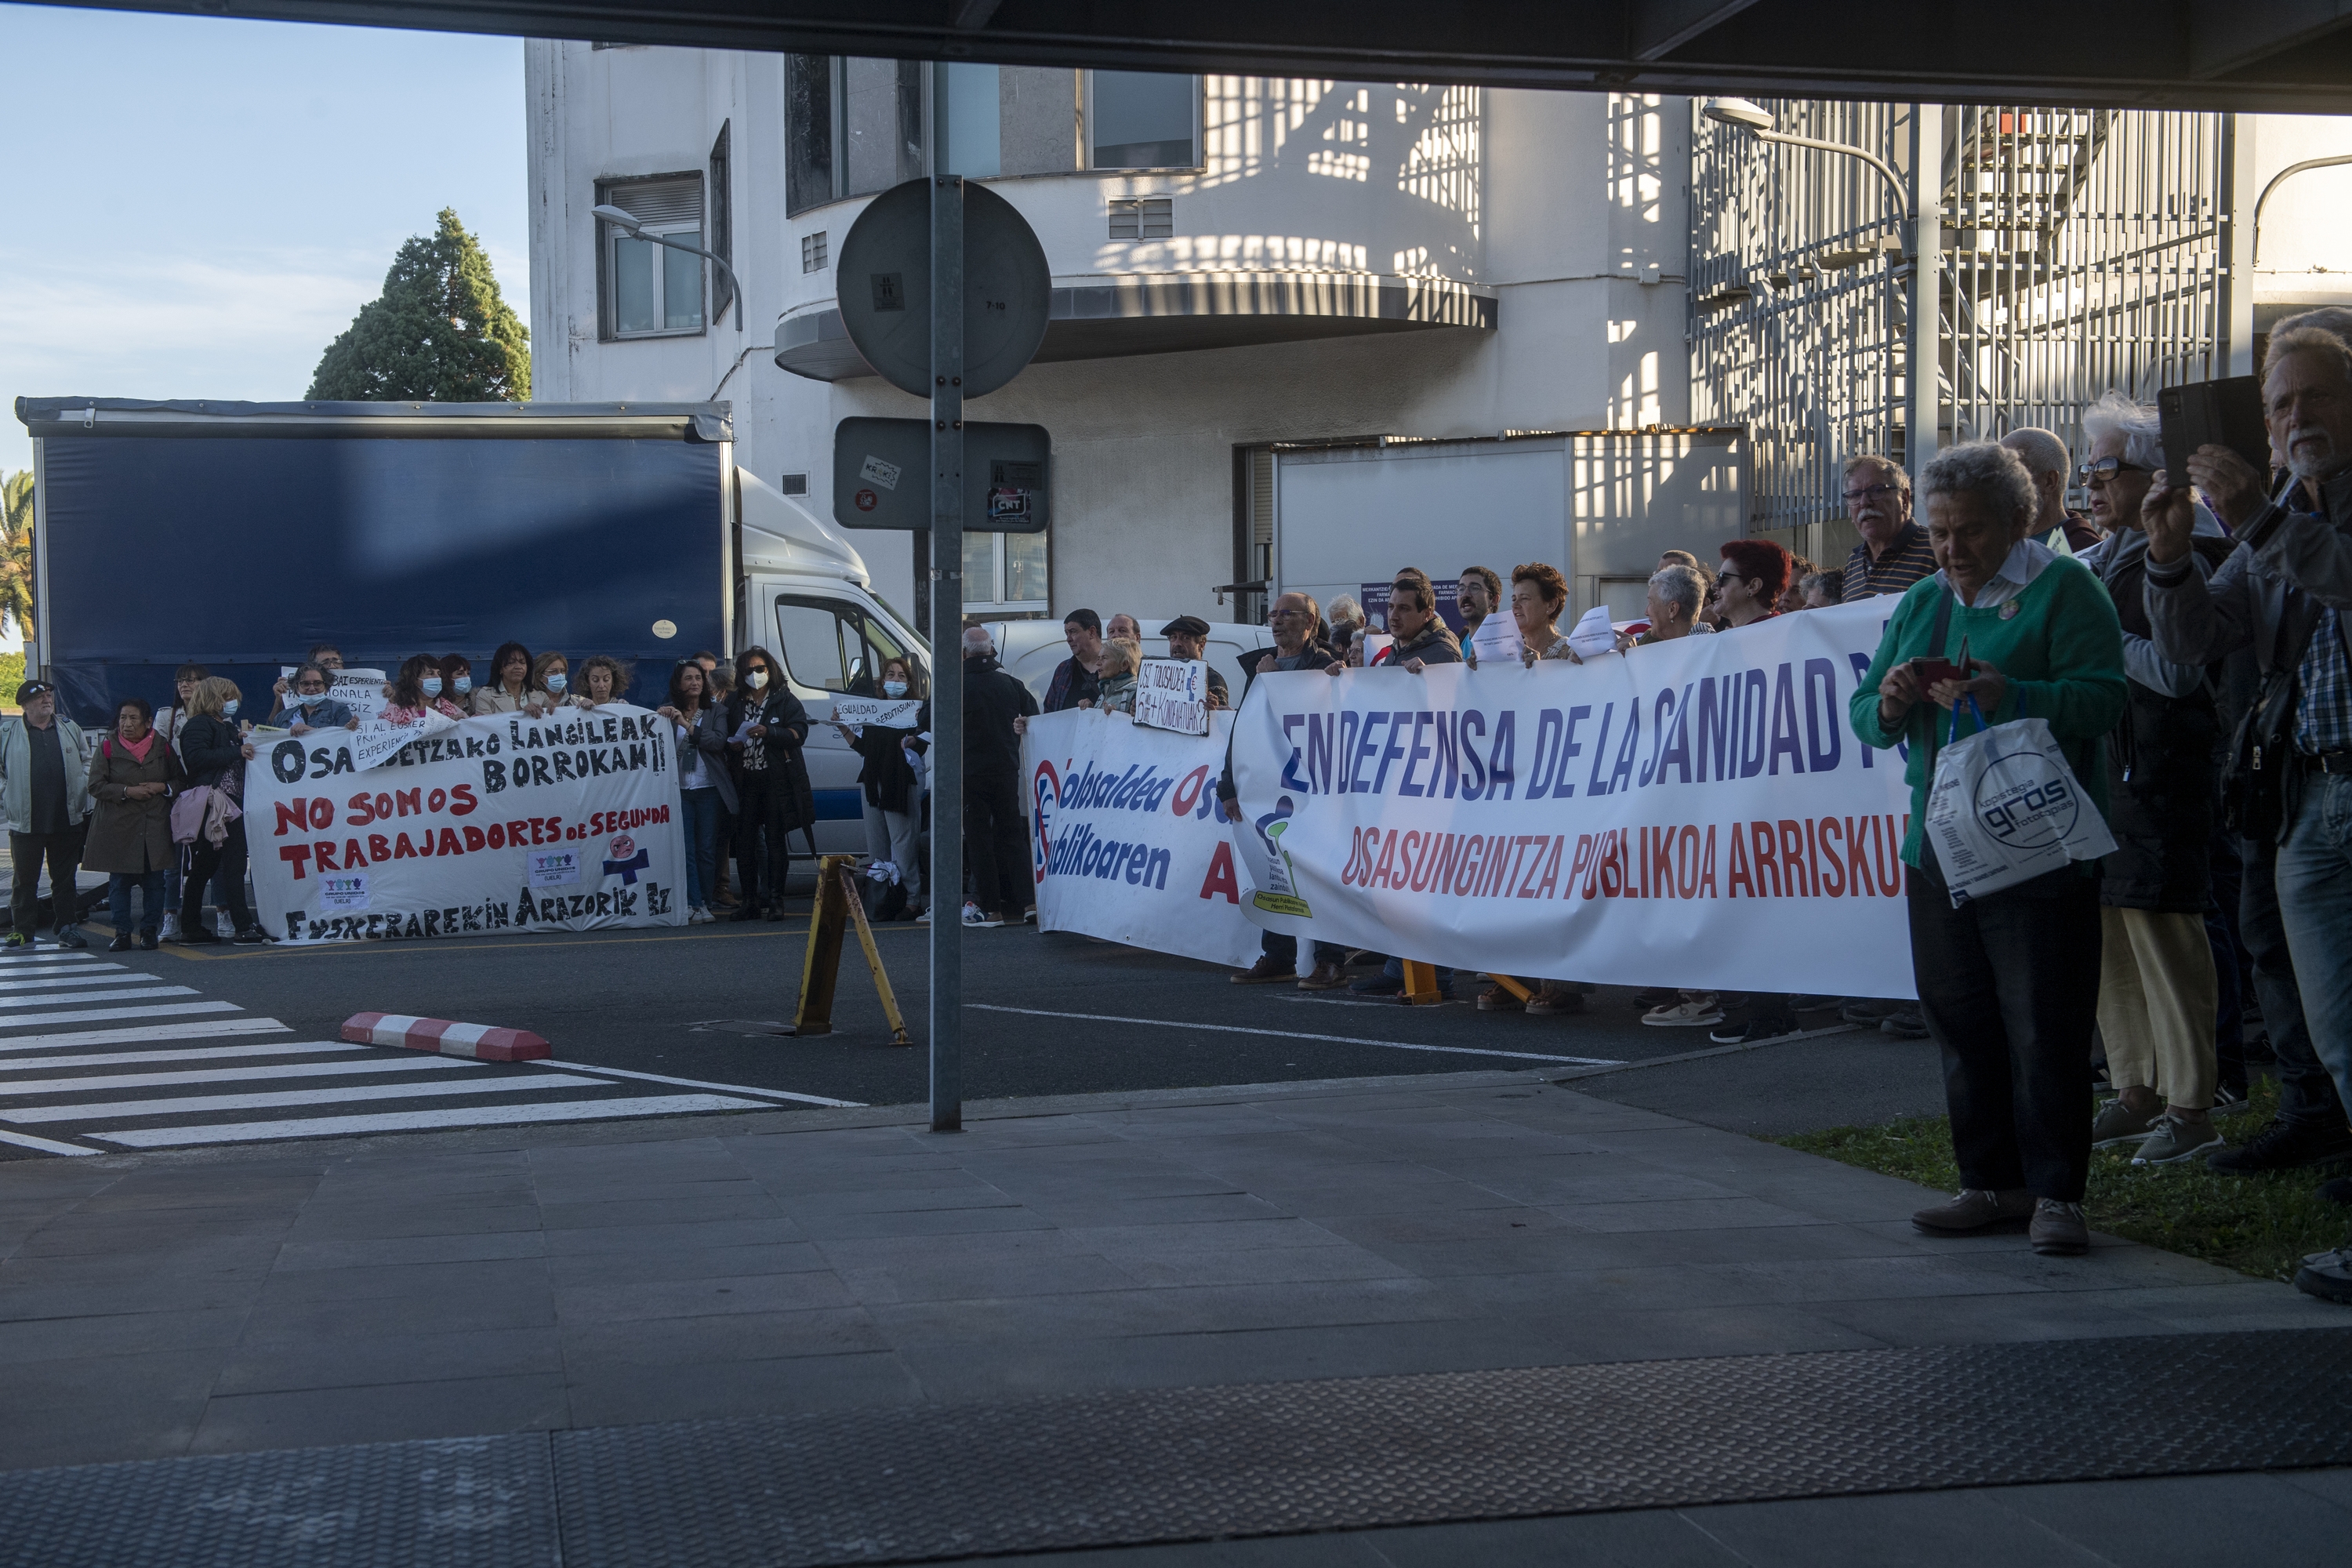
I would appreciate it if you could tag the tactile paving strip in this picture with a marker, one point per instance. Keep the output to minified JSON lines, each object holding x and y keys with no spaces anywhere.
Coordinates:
{"x":911,"y":1483}
{"x":469,"y":1502}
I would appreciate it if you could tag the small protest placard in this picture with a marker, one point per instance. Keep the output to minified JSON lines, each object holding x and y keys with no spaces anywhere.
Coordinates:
{"x":361,"y":690}
{"x":1497,"y":643}
{"x":1173,"y":694}
{"x":890,"y":715}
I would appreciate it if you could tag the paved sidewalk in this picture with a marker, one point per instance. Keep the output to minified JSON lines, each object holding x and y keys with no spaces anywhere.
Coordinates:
{"x":483,"y":1283}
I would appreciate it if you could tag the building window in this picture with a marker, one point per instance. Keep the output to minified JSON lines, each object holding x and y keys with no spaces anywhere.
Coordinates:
{"x":1141,"y":119}
{"x":1004,"y":573}
{"x":651,"y":290}
{"x":1142,"y":218}
{"x":813,"y":257}
{"x":851,"y":127}
{"x":967,"y":103}
{"x":722,"y":216}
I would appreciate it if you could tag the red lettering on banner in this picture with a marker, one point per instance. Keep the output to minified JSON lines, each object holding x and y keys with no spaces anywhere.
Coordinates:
{"x":1221,"y":877}
{"x":379,"y":846}
{"x":1792,"y":860}
{"x":449,"y":845}
{"x":296,"y":856}
{"x":353,"y":859}
{"x":462,"y":801}
{"x":1766,"y":860}
{"x":322,"y":855}
{"x":1740,"y":876}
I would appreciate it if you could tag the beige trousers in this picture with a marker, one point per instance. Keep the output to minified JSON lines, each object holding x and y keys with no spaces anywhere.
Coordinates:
{"x":2157,"y":1000}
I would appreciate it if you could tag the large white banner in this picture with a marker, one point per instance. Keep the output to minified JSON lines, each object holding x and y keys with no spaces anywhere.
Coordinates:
{"x":1126,"y":840}
{"x":498,"y":822}
{"x":1696,"y":812}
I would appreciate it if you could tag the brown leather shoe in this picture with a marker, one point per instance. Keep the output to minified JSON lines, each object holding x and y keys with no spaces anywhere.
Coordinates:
{"x":1264,"y":972}
{"x":2058,"y":1230}
{"x":1549,"y":1001}
{"x":1495,"y":999}
{"x":1326,"y":977}
{"x":1975,"y":1212}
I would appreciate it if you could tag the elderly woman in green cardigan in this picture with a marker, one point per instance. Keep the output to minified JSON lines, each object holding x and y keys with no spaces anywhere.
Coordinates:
{"x":2009,"y":982}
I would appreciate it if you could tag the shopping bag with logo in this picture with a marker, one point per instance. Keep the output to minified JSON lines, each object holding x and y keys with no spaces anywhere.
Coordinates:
{"x":2005,"y":807}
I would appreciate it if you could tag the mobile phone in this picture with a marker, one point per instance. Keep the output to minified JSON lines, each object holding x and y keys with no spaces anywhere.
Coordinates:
{"x":2227,"y":412}
{"x":1931,"y":671}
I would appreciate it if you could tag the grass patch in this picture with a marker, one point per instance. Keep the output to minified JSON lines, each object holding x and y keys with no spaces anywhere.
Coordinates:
{"x":2260,"y":1226}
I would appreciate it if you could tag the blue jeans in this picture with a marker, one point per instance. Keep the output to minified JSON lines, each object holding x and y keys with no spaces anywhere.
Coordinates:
{"x":701,"y":807}
{"x":2307,"y":1094}
{"x":151,"y":900}
{"x":2314,"y":895}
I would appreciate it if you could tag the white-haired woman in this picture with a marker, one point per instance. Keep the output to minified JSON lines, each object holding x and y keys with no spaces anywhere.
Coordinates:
{"x":2007,"y":983}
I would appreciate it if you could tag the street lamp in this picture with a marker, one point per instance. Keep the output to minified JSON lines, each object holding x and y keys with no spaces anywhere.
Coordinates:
{"x":1916,"y":217}
{"x":628,"y":223}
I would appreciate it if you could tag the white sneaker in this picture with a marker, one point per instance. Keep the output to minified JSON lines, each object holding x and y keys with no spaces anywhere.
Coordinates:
{"x":170,"y":931}
{"x":977,"y":920}
{"x":698,"y":916}
{"x":1687,"y":1015}
{"x":924,"y":919}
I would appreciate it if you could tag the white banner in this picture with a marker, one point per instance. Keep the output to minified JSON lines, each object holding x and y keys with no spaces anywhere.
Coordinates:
{"x":497,"y":823}
{"x":1696,"y":814}
{"x":361,"y":690}
{"x":1126,"y":840}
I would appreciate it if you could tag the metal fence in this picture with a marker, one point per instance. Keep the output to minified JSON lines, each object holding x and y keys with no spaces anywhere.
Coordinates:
{"x":2081,"y":249}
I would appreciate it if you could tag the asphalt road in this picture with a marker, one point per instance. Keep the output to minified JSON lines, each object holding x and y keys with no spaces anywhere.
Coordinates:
{"x":1044,"y":1012}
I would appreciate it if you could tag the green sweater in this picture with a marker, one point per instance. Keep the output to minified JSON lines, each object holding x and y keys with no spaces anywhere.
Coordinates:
{"x":2063,"y":652}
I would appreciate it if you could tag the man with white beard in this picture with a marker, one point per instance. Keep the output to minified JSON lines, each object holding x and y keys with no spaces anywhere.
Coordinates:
{"x":2284,"y":591}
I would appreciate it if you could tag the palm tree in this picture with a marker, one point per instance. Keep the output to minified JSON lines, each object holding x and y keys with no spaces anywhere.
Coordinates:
{"x":17,"y":551}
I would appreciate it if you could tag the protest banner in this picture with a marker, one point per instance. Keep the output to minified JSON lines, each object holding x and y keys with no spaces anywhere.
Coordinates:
{"x":1173,"y":694}
{"x":361,"y":690}
{"x":1127,"y":839}
{"x":1696,"y":813}
{"x":496,"y":823}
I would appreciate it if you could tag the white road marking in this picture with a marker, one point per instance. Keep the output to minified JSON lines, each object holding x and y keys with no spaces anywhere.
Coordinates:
{"x":419,"y":1120}
{"x":202,"y":1104}
{"x":50,"y":981}
{"x":101,"y":1014}
{"x":699,"y":1083}
{"x":45,"y":1145}
{"x":11,"y":960}
{"x":1297,"y":1034}
{"x":230,"y":1075}
{"x":176,"y":1054}
{"x":203,"y":1029}
{"x":134,"y":994}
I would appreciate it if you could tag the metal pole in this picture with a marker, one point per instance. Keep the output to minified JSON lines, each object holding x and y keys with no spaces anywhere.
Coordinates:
{"x":947,"y":654}
{"x":1926,"y":348}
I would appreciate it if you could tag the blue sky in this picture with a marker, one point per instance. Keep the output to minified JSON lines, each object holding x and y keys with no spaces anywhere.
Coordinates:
{"x":195,"y":207}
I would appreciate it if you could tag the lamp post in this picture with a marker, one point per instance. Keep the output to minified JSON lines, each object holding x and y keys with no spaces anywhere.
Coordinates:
{"x":628,"y":223}
{"x":1921,"y":243}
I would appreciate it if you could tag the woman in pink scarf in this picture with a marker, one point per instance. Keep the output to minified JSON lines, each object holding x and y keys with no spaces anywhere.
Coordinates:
{"x":130,"y":780}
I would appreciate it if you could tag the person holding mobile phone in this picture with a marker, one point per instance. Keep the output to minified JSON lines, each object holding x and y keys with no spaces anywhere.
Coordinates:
{"x":2007,"y":983}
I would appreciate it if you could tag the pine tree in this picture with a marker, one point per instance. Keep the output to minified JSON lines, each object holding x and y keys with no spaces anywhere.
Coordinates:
{"x":17,"y":551}
{"x":439,"y":332}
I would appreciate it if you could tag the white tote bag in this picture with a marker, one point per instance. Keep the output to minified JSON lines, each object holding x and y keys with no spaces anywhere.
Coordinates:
{"x":2005,"y":807}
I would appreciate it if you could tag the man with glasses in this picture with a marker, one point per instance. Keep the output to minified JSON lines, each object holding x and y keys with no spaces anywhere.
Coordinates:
{"x":1292,"y":619}
{"x":1894,"y":553}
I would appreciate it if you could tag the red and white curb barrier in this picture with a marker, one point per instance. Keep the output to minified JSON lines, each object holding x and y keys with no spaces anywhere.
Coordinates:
{"x":480,"y":1041}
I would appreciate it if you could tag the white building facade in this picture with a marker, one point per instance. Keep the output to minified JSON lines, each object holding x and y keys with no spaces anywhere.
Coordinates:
{"x":1237,"y":262}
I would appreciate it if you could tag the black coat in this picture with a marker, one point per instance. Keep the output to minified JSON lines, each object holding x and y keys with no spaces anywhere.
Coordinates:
{"x":2162,"y":761}
{"x":993,"y":699}
{"x":887,"y":777}
{"x":785,"y":779}
{"x":211,"y":750}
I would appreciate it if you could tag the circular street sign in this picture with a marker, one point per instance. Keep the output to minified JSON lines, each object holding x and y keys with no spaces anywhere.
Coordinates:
{"x":883,"y":279}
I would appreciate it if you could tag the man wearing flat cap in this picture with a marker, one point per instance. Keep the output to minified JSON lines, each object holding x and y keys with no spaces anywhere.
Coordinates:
{"x":1188,"y":637}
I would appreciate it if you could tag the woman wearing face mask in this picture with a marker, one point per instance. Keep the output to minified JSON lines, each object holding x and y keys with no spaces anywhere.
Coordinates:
{"x":458,"y":681}
{"x":214,"y":750}
{"x":509,"y":688}
{"x":703,"y":786}
{"x":130,"y":829}
{"x":407,"y":698}
{"x":169,"y":722}
{"x":766,"y":727}
{"x":551,"y":680}
{"x":603,"y":680}
{"x":893,"y":804}
{"x":308,"y":707}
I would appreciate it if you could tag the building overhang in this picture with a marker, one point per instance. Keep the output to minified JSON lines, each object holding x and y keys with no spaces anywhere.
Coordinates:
{"x":1114,"y":317}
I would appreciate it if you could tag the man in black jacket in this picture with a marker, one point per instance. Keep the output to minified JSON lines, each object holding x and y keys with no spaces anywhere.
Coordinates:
{"x":994,"y":842}
{"x":1291,"y":620}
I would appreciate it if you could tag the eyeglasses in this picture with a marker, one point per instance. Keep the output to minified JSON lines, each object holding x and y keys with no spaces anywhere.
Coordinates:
{"x":2105,"y":469}
{"x":1869,"y":493}
{"x":1286,"y":615}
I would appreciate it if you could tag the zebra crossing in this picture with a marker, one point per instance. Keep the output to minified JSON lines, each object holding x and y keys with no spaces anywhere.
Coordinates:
{"x":101,"y":1055}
